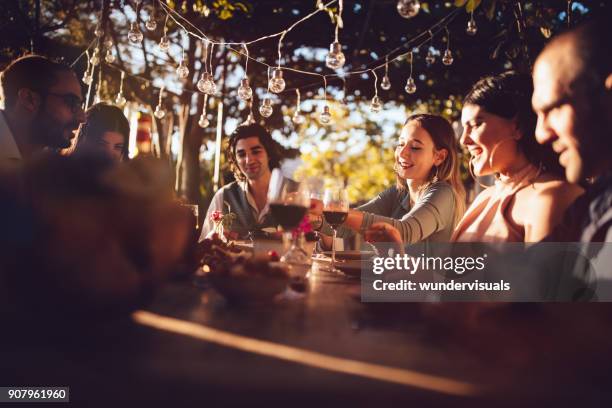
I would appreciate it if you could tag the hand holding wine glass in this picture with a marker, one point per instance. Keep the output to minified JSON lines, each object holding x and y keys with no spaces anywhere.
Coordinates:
{"x":335,"y":211}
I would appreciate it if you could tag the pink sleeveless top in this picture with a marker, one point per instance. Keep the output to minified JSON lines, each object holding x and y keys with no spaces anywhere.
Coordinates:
{"x":487,"y":220}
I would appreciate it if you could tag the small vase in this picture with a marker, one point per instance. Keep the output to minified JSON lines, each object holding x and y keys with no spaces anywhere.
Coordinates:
{"x":219,"y":230}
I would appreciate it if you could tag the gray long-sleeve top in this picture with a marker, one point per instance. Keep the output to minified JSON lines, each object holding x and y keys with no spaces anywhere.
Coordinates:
{"x":430,"y":219}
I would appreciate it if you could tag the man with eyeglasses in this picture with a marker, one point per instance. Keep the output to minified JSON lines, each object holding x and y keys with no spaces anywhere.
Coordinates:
{"x":42,"y":107}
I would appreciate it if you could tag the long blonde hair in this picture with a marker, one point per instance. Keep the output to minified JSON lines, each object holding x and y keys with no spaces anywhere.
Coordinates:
{"x":443,"y":137}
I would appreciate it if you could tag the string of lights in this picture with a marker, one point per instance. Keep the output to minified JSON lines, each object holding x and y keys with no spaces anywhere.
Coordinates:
{"x":335,"y":59}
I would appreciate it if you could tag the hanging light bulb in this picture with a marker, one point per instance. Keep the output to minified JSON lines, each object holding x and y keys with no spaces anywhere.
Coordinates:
{"x":151,"y":24}
{"x":164,"y":43}
{"x":203,"y":122}
{"x":95,"y":58}
{"x":385,"y":83}
{"x":277,"y":83}
{"x":135,"y":35}
{"x":325,"y":116}
{"x":159,"y":112}
{"x":244,"y":90}
{"x":266,"y":108}
{"x":206,"y":84}
{"x":410,"y":86}
{"x":408,"y":8}
{"x":335,"y":58}
{"x":471,"y":26}
{"x":109,"y":57}
{"x":201,"y":84}
{"x":120,"y":99}
{"x":430,"y":58}
{"x":87,"y":78}
{"x":375,"y":104}
{"x":99,"y":32}
{"x":182,"y":71}
{"x":298,"y":118}
{"x":447,"y":58}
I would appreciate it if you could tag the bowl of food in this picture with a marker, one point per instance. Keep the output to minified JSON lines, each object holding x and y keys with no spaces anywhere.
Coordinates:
{"x":240,"y":277}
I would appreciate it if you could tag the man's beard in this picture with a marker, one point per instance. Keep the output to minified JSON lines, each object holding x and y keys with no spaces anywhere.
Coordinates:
{"x":49,"y":133}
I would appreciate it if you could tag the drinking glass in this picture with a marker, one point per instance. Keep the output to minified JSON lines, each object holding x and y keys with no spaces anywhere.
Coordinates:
{"x":335,"y":211}
{"x":288,"y":206}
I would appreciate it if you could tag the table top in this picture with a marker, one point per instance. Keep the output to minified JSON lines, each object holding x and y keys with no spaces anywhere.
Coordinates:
{"x":190,"y":346}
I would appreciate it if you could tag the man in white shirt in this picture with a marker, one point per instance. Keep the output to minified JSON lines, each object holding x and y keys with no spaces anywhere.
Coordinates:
{"x":252,"y":155}
{"x":42,"y":107}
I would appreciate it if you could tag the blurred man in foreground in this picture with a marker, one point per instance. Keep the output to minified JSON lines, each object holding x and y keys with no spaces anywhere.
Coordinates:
{"x":573,"y":99}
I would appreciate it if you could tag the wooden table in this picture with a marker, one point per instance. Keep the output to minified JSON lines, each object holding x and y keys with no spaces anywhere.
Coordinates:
{"x":190,"y":348}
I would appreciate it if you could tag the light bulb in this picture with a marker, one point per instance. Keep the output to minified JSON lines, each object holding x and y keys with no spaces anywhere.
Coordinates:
{"x":410,"y":86}
{"x":109,"y":57}
{"x":266,"y":108}
{"x":471,"y":27}
{"x":325,"y":116}
{"x":159,"y":112}
{"x":108,"y":43}
{"x":408,"y":8}
{"x":244,"y":91}
{"x":277,"y":83}
{"x":203,"y":121}
{"x":385,"y":83}
{"x":87,"y":78}
{"x":447,"y":58}
{"x":135,"y":35}
{"x":335,"y":59}
{"x":95,"y":58}
{"x":375,"y":105}
{"x":120,"y":99}
{"x":206,"y":84}
{"x":430,"y":58}
{"x":182,"y":71}
{"x":151,"y":24}
{"x":164,"y":43}
{"x":99,"y":32}
{"x":298,"y":118}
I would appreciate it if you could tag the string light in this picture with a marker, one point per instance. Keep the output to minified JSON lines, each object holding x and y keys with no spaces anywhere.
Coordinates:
{"x":209,"y":87}
{"x":99,"y":32}
{"x":335,"y":58}
{"x":109,"y":57}
{"x":86,"y":77}
{"x":164,"y":42}
{"x":135,"y":35}
{"x":410,"y":85}
{"x":182,"y":71}
{"x":447,"y":58}
{"x":277,"y":83}
{"x":325,"y":116}
{"x":95,"y":58}
{"x":120,"y":99}
{"x":298,"y":118}
{"x":430,"y":59}
{"x":203,"y":122}
{"x":471,"y":25}
{"x":151,"y":24}
{"x":386,"y":83}
{"x":266,"y":108}
{"x":375,"y":104}
{"x":159,"y":110}
{"x":408,"y":8}
{"x":244,"y":90}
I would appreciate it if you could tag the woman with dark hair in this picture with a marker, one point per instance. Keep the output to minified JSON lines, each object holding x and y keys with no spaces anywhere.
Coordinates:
{"x":106,"y":131}
{"x":530,"y":195}
{"x":428,"y":199}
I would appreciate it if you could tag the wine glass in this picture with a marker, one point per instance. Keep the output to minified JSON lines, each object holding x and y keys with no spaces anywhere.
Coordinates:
{"x":335,"y":211}
{"x":288,"y":206}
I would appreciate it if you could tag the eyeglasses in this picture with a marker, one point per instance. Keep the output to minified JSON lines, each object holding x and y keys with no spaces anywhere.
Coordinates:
{"x":72,"y":101}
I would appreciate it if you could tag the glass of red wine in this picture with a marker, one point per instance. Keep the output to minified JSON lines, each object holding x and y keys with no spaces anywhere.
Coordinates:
{"x":288,"y":206}
{"x":335,"y":211}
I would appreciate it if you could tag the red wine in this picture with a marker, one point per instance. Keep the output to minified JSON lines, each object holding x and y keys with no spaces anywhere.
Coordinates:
{"x":335,"y":218}
{"x":287,"y":215}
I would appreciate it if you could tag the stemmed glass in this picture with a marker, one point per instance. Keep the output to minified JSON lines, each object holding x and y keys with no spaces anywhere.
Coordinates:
{"x":289,"y":202}
{"x":335,"y":211}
